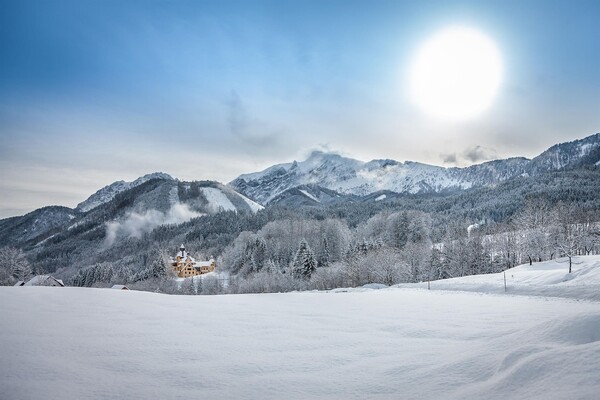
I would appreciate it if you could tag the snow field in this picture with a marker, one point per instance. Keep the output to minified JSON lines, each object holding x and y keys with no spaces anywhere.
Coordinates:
{"x":255,"y":207}
{"x":548,"y":278}
{"x":78,"y":343}
{"x":217,"y":200}
{"x":310,"y":196}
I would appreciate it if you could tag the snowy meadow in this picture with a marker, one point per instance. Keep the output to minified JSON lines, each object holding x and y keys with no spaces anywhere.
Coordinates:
{"x":410,"y":343}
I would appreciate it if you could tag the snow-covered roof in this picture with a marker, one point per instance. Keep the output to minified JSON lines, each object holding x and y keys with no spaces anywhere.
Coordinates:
{"x":119,"y":287}
{"x":205,"y":263}
{"x":19,"y":283}
{"x":44,"y":280}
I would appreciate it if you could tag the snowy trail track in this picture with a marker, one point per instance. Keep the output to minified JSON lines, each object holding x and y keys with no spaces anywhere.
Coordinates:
{"x":76,"y":343}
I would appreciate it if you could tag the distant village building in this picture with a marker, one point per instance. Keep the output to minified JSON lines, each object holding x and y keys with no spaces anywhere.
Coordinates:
{"x":119,"y":287}
{"x":42,"y":280}
{"x":185,"y":265}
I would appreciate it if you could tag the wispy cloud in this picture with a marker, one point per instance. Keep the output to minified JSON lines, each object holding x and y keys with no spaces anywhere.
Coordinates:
{"x":470,"y":155}
{"x":449,"y":158}
{"x":479,"y":153}
{"x":136,"y":224}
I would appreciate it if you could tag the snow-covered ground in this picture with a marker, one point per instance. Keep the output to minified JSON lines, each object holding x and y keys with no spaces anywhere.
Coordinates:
{"x":548,"y":278}
{"x":217,"y":200}
{"x":396,"y":343}
{"x":254,"y":206}
{"x":221,"y":276}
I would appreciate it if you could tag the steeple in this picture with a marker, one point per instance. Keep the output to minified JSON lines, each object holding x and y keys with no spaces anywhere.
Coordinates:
{"x":182,"y":250}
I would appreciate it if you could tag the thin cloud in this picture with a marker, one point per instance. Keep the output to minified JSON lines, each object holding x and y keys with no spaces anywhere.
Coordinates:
{"x":449,"y":158}
{"x":479,"y":153}
{"x":470,"y":155}
{"x":136,"y":224}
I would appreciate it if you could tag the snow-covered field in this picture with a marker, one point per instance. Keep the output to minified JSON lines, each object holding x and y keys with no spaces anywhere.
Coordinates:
{"x":548,"y":278}
{"x":396,"y":343}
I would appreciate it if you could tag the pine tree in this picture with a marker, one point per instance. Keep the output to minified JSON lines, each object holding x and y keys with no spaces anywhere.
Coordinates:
{"x":323,"y":260}
{"x":399,"y":230}
{"x":158,"y":266}
{"x":271,"y":268}
{"x":158,"y":269}
{"x":436,"y":266}
{"x":304,"y":263}
{"x":123,"y":275}
{"x":89,"y":277}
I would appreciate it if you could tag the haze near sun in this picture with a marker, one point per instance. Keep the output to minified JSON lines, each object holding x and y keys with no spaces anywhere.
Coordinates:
{"x":455,"y":74}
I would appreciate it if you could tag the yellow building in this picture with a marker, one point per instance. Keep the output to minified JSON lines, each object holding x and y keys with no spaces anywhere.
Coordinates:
{"x":185,"y":265}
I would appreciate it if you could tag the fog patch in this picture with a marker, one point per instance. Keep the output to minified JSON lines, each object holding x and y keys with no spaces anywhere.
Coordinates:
{"x":137,"y":224}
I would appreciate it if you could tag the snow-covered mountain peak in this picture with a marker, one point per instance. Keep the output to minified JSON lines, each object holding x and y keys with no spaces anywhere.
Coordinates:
{"x":349,"y":176}
{"x":154,"y":175}
{"x":109,"y":192}
{"x":382,"y":164}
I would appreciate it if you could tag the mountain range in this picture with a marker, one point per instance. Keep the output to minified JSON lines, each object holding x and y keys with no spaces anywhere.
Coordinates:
{"x":127,"y":209}
{"x":315,"y":178}
{"x":133,"y":208}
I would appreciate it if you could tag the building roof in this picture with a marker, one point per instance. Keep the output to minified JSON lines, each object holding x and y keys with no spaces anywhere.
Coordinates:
{"x":44,"y":280}
{"x":119,"y":287}
{"x":19,"y":283}
{"x":205,"y":263}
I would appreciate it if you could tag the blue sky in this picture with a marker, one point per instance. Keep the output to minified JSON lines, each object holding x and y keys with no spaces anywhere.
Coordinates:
{"x":97,"y":91}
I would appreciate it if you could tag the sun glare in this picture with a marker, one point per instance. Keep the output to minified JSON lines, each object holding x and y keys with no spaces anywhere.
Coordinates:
{"x":455,"y":74}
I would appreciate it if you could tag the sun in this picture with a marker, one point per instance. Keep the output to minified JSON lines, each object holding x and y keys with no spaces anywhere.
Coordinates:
{"x":456,"y":74}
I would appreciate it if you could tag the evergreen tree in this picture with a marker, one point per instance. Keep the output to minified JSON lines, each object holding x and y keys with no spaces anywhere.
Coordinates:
{"x":399,"y":229}
{"x":158,"y":266}
{"x":259,"y":253}
{"x":304,"y":263}
{"x":323,"y":260}
{"x":88,"y":280}
{"x":123,"y":275}
{"x":271,"y":268}
{"x":437,"y":268}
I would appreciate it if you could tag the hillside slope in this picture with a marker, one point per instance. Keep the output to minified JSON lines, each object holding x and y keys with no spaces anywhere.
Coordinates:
{"x":17,"y":230}
{"x":151,"y":201}
{"x":548,"y":278}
